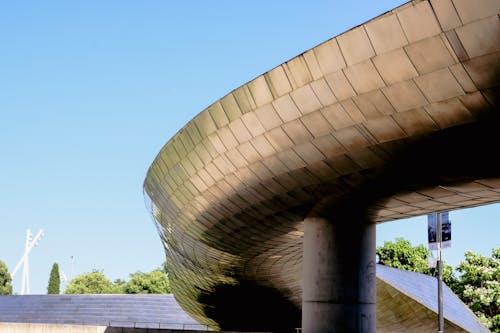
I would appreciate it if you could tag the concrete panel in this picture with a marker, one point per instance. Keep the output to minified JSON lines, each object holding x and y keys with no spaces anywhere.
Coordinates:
{"x":352,"y":109}
{"x":240,"y":131}
{"x":429,"y":54}
{"x":253,"y":124}
{"x":470,"y":10}
{"x":481,"y":37}
{"x":286,"y":108}
{"x":475,"y":103}
{"x":244,"y":99}
{"x":231,"y":107}
{"x":480,"y":70}
{"x":456,"y":46}
{"x":395,"y":66}
{"x":463,"y":78}
{"x":449,"y":113}
{"x":49,"y":328}
{"x":247,"y":151}
{"x":384,"y":129}
{"x":329,"y":57}
{"x":329,"y":146}
{"x":418,"y":22}
{"x":386,"y":34}
{"x":355,"y":46}
{"x":323,"y":92}
{"x":316,"y":124}
{"x":263,"y":146}
{"x":404,"y":96}
{"x":337,"y":116}
{"x":446,"y":14}
{"x":297,"y":132}
{"x":305,"y":99}
{"x":278,"y":82}
{"x":309,"y":153}
{"x":236,"y":158}
{"x":439,"y":85}
{"x":292,"y":161}
{"x":260,"y":91}
{"x":268,"y":117}
{"x":351,"y":138}
{"x":298,"y":71}
{"x":227,"y":138}
{"x":218,"y":115}
{"x":313,"y":65}
{"x":279,"y":139}
{"x":415,"y":122}
{"x":364,"y":77}
{"x":373,"y":104}
{"x":340,"y":86}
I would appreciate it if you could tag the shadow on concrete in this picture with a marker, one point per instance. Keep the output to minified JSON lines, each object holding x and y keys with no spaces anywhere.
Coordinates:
{"x":247,"y":306}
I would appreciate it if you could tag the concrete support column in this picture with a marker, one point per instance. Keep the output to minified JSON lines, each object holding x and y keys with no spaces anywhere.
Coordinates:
{"x":339,"y":289}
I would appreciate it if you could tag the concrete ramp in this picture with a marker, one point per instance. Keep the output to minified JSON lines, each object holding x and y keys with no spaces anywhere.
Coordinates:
{"x":129,"y":311}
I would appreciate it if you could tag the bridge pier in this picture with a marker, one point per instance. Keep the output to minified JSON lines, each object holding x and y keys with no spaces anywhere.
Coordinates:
{"x":339,"y":287}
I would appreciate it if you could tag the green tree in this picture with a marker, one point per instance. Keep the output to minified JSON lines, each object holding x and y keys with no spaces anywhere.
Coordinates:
{"x":479,"y":286}
{"x":5,"y":280}
{"x":155,"y":282}
{"x":164,"y":267}
{"x":92,"y":283}
{"x":54,"y":281}
{"x":401,"y":254}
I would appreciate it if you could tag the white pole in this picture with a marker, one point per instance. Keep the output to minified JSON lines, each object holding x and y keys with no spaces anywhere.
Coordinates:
{"x":440,"y":274}
{"x":25,"y":281}
{"x":29,"y":244}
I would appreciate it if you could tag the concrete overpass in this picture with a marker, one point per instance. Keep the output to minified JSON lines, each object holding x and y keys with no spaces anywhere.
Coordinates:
{"x":273,"y":191}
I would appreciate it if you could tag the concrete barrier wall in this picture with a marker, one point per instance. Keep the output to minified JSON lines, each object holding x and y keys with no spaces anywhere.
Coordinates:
{"x":49,"y":328}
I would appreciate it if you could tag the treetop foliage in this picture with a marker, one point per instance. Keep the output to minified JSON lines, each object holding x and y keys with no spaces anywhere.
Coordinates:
{"x":479,"y":286}
{"x":54,"y":280}
{"x":5,"y":280}
{"x":154,"y":282}
{"x":91,"y":283}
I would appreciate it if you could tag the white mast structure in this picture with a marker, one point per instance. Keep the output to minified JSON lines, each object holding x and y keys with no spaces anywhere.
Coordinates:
{"x":29,"y":244}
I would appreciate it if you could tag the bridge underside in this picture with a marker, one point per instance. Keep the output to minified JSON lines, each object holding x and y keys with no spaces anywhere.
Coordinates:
{"x":395,"y":118}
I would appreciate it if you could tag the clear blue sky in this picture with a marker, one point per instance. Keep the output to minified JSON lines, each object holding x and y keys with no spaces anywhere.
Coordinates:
{"x":91,"y":90}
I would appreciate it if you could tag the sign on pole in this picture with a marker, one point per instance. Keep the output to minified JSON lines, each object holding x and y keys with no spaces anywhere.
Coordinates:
{"x":445,"y":230}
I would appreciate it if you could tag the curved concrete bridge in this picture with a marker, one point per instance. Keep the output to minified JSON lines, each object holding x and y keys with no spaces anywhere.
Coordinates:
{"x":273,"y":191}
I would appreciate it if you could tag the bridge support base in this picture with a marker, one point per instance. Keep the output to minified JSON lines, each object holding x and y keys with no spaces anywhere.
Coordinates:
{"x":339,"y":287}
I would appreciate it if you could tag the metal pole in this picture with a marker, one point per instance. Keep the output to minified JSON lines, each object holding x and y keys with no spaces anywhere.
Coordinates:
{"x":440,"y":274}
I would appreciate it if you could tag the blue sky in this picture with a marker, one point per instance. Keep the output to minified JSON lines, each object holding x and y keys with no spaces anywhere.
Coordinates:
{"x":91,"y":90}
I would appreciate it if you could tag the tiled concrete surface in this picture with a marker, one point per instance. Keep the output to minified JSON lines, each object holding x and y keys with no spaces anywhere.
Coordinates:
{"x":139,"y":311}
{"x":399,"y":109}
{"x":408,"y":301}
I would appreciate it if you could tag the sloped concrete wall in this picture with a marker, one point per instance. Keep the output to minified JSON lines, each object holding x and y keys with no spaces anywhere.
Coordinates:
{"x":49,"y":328}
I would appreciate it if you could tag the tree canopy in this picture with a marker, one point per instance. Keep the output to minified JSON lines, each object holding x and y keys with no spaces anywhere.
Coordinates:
{"x":5,"y":280}
{"x":479,"y":286}
{"x":155,"y":282}
{"x":54,"y":280}
{"x":91,"y":283}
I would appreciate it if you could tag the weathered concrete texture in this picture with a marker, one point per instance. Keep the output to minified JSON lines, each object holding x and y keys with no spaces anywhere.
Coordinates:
{"x":407,"y":302}
{"x":135,"y":311}
{"x":339,"y":290}
{"x":398,"y":115}
{"x":61,"y":328}
{"x":49,"y":328}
